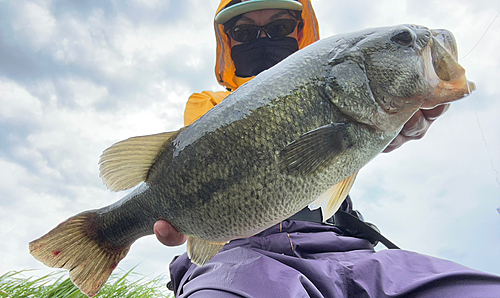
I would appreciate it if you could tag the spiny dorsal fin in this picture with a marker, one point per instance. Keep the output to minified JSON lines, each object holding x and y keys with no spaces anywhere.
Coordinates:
{"x":314,"y":148}
{"x":331,"y":200}
{"x":126,"y":164}
{"x":201,"y":251}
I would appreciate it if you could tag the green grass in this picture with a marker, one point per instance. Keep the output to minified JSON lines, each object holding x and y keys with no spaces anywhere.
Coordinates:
{"x":58,"y":285}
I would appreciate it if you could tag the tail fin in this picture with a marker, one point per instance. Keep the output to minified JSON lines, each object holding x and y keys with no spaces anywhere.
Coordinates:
{"x":74,"y":245}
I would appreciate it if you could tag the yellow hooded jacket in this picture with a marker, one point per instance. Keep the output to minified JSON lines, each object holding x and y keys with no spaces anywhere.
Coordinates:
{"x":199,"y":103}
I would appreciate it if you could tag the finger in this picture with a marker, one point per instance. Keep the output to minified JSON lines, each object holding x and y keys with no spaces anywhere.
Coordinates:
{"x":414,"y":129}
{"x":433,"y":114}
{"x":396,"y":143}
{"x":167,"y":234}
{"x":416,"y":126}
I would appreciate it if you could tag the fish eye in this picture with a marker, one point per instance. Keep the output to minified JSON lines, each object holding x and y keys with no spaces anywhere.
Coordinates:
{"x":404,"y":37}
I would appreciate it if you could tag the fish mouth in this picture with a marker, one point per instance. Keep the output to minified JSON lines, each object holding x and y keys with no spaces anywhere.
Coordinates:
{"x":443,"y":72}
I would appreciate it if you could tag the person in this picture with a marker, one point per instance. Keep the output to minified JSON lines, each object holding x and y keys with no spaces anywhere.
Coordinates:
{"x":301,"y":256}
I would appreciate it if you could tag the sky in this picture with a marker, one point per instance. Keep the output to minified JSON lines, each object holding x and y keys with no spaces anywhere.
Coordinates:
{"x":78,"y":76}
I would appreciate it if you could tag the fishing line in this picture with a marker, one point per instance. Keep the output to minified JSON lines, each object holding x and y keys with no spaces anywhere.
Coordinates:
{"x":487,"y":147}
{"x":475,"y":108}
{"x":486,"y":144}
{"x":481,"y":38}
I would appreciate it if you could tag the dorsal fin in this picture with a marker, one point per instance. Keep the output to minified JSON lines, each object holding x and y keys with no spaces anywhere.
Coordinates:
{"x":331,"y":200}
{"x":126,"y":164}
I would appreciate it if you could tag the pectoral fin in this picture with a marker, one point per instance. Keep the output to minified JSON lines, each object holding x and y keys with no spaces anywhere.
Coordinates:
{"x":314,"y":148}
{"x":201,"y":251}
{"x":126,"y":164}
{"x":331,"y":200}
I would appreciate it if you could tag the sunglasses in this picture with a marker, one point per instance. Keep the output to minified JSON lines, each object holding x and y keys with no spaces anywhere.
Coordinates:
{"x":276,"y":29}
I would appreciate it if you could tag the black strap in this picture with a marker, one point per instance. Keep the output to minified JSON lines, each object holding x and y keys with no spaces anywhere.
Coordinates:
{"x":358,"y":228}
{"x":310,"y":215}
{"x":350,"y":223}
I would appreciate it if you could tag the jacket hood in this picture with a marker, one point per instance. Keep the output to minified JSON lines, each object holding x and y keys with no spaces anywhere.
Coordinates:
{"x":224,"y":66}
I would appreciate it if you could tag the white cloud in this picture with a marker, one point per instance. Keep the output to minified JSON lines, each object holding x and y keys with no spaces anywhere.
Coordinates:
{"x":17,"y":102}
{"x":88,"y":43}
{"x":74,"y":40}
{"x":148,"y":3}
{"x":34,"y":23}
{"x":86,"y":93}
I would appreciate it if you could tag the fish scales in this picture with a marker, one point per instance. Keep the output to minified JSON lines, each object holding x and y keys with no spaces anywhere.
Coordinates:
{"x":295,"y":135}
{"x":250,"y":173}
{"x":196,"y":198}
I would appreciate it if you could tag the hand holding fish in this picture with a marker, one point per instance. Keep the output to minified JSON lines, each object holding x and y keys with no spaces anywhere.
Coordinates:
{"x":417,"y":126}
{"x":167,"y":234}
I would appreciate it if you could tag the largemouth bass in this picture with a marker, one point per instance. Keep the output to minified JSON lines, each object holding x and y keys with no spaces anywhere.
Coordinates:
{"x":295,"y":135}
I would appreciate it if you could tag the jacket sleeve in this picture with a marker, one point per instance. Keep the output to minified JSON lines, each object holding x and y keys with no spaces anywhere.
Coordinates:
{"x":199,"y":103}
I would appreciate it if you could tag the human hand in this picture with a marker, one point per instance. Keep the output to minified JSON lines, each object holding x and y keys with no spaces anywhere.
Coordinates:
{"x":417,"y":126}
{"x":167,"y":234}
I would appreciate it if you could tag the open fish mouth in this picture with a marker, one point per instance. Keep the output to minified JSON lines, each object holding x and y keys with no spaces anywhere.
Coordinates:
{"x":442,"y":70}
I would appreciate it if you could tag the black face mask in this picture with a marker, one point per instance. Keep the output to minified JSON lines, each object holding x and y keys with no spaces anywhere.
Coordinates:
{"x":252,"y":58}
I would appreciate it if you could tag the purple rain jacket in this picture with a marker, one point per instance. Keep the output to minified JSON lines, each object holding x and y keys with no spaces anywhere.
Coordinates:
{"x":306,"y":259}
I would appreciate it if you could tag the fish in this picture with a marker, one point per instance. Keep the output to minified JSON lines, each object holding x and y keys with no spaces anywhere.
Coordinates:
{"x":294,"y":136}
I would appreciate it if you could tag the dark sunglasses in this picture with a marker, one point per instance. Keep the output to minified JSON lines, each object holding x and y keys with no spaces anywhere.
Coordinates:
{"x":276,"y":29}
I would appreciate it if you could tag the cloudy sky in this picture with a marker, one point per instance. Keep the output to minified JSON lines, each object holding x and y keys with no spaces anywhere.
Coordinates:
{"x":77,"y":76}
